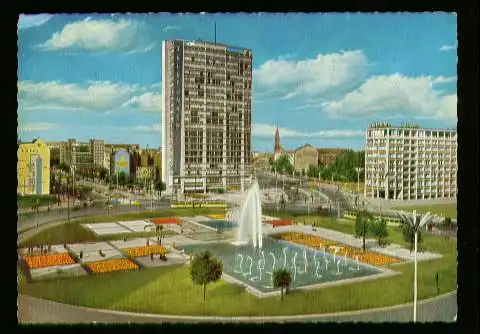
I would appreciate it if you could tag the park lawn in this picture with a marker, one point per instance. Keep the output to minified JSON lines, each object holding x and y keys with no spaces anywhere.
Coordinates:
{"x":169,"y":290}
{"x":74,"y":232}
{"x":447,"y":210}
{"x":28,"y":201}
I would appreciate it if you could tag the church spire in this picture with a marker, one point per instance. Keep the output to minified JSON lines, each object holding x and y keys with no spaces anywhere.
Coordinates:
{"x":277,"y":148}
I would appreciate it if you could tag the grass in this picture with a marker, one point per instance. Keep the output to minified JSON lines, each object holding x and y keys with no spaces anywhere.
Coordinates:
{"x":73,"y":232}
{"x":446,"y":210}
{"x":169,"y":290}
{"x":28,"y":201}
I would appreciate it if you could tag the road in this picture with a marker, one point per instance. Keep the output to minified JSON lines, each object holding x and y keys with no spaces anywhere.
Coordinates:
{"x":33,"y":310}
{"x":30,"y":221}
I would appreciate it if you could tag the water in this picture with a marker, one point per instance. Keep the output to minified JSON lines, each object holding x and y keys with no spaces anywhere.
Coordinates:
{"x":219,"y":224}
{"x":254,"y":266}
{"x":250,"y":218}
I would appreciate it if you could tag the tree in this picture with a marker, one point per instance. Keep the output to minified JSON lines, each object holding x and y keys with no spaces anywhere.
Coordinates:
{"x":159,"y":230}
{"x":282,"y":164}
{"x":282,"y":279}
{"x":103,"y":174}
{"x":379,"y":230}
{"x":64,"y":167}
{"x":205,"y":269}
{"x":160,"y":186}
{"x":362,"y":224}
{"x":408,"y":233}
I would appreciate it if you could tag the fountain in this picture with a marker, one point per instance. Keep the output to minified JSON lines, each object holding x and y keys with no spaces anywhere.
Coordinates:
{"x":241,"y":261}
{"x":250,"y":220}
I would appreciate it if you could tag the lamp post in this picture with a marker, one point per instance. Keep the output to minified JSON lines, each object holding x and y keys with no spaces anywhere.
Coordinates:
{"x":416,"y":225}
{"x":358,"y":170}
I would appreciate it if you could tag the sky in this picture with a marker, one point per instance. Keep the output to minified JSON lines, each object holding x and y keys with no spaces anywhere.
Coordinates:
{"x":321,"y":78}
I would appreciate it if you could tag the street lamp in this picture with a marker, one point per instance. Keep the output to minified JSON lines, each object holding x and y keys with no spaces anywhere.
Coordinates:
{"x":416,"y":225}
{"x":358,"y":170}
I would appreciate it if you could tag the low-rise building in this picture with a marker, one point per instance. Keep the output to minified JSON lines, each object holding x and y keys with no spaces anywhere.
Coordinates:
{"x":327,"y":156}
{"x":33,"y":168}
{"x":304,"y":157}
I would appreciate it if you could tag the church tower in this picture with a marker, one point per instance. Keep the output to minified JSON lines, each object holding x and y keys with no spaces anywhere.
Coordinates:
{"x":277,"y":150}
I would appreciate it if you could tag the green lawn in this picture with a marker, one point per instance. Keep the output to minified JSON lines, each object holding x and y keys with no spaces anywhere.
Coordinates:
{"x":28,"y":201}
{"x":447,"y":210}
{"x":73,"y":232}
{"x":169,"y":290}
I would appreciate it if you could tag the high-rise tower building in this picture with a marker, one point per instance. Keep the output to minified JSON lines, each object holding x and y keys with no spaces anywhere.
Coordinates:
{"x":206,"y":116}
{"x":277,"y":149}
{"x":408,"y":162}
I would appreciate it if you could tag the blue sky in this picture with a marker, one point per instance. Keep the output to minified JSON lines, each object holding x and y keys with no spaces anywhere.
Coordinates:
{"x":322,"y":78}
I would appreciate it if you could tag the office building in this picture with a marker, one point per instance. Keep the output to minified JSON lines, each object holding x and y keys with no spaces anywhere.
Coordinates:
{"x":33,"y":168}
{"x":206,"y":116}
{"x":409,"y":163}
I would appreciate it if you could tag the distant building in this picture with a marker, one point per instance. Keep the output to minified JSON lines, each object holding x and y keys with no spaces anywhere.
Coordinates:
{"x":304,"y":157}
{"x":145,"y":173}
{"x":409,"y":163}
{"x":33,"y":168}
{"x":57,"y":152}
{"x":327,"y":156}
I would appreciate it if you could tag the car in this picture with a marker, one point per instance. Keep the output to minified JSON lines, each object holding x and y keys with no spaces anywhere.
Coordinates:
{"x":136,"y":203}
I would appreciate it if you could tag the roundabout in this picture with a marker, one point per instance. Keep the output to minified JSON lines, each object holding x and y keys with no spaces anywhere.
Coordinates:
{"x":166,"y":293}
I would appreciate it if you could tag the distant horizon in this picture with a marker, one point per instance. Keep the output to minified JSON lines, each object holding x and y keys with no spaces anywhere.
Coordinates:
{"x":322,"y":78}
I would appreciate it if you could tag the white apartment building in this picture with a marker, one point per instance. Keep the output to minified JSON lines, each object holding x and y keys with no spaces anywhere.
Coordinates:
{"x":206,"y":116}
{"x":409,"y":163}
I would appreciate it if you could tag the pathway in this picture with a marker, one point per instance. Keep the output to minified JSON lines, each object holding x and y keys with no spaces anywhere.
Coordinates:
{"x":33,"y":310}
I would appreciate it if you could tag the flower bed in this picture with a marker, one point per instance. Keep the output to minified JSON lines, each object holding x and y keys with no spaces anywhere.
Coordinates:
{"x":279,"y":222}
{"x":217,"y":216}
{"x":145,"y":251}
{"x":330,"y":246}
{"x":171,"y":220}
{"x":107,"y":266}
{"x":42,"y":261}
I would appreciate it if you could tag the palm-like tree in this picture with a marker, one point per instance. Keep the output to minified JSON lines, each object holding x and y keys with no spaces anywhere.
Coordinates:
{"x":416,"y":225}
{"x":282,"y":279}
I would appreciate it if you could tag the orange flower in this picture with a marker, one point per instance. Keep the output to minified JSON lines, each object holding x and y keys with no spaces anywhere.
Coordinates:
{"x":111,"y":265}
{"x":41,"y":261}
{"x":330,"y":246}
{"x":145,"y":250}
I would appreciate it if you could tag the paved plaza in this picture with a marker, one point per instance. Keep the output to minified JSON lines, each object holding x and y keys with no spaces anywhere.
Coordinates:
{"x":91,"y":251}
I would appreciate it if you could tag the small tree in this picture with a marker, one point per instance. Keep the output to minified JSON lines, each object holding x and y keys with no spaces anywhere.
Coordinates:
{"x":408,"y":233}
{"x":362,"y":224}
{"x":282,"y":279}
{"x":380,"y":231}
{"x":159,"y":230}
{"x":205,"y":269}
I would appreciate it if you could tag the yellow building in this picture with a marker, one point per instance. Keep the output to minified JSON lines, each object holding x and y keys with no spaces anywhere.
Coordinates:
{"x":33,"y":168}
{"x":305,"y":156}
{"x":144,"y":173}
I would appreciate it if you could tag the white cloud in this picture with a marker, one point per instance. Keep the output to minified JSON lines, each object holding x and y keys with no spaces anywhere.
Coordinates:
{"x":396,"y":96}
{"x":154,"y":128}
{"x":101,"y":36}
{"x":101,"y":95}
{"x":26,"y":21}
{"x":313,"y":76}
{"x":148,"y":102}
{"x":447,"y":47}
{"x":266,"y":130}
{"x":38,"y":127}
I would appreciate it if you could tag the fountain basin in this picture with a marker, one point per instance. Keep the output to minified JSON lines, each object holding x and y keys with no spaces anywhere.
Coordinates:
{"x":219,"y":224}
{"x":241,"y":262}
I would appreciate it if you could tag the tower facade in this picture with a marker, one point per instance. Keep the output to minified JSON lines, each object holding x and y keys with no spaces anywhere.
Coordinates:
{"x":206,"y":116}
